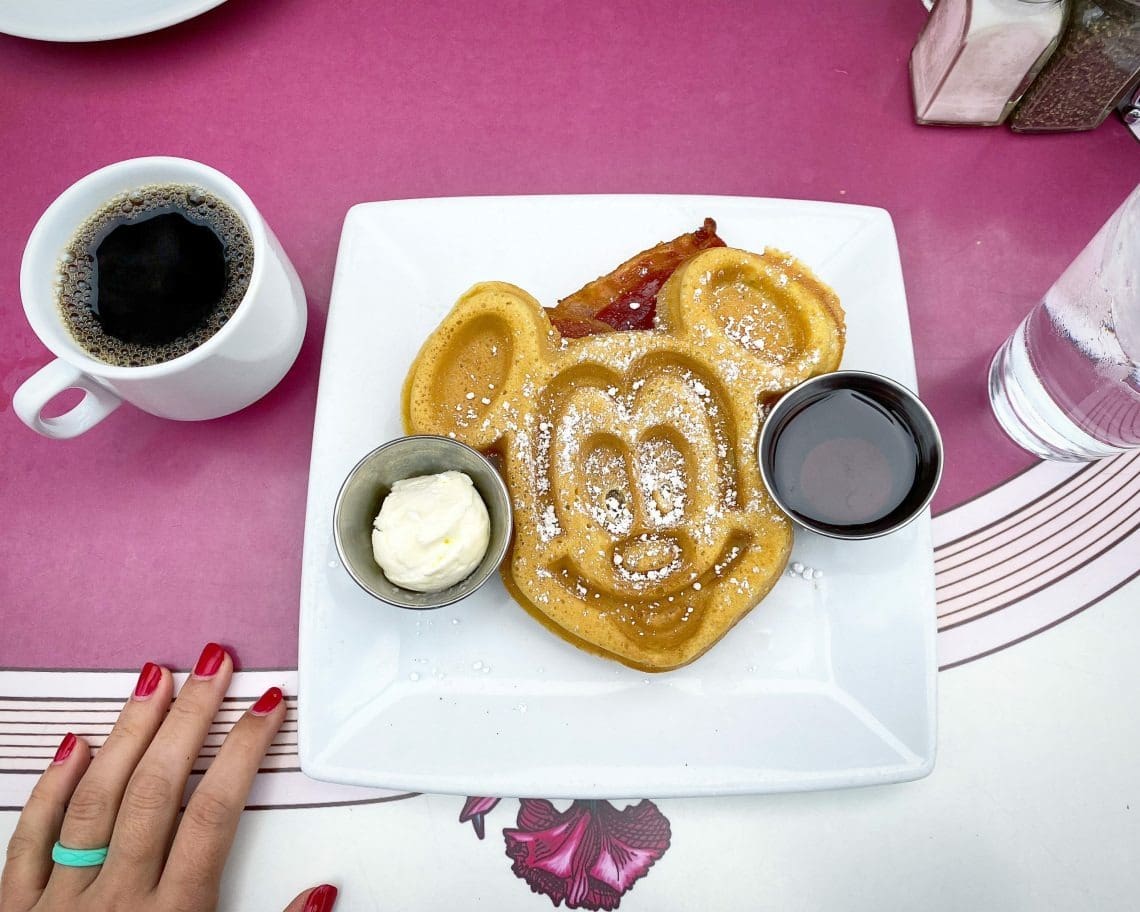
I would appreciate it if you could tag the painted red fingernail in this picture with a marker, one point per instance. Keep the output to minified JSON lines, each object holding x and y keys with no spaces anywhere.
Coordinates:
{"x":321,"y":899}
{"x":209,"y":661}
{"x":268,"y":702}
{"x":149,"y":679}
{"x":66,"y":746}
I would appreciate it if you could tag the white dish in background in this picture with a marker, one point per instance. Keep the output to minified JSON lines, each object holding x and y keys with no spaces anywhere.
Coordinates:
{"x":826,"y":684}
{"x":95,"y":20}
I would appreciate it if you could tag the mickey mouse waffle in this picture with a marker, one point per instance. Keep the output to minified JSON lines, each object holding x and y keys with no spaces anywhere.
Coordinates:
{"x":643,"y":530}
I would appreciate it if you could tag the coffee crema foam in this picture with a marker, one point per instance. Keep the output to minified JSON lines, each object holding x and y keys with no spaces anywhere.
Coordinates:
{"x":76,"y":269}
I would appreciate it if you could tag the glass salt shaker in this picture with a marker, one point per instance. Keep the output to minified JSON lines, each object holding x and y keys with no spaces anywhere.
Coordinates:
{"x":975,"y":58}
{"x":1096,"y":61}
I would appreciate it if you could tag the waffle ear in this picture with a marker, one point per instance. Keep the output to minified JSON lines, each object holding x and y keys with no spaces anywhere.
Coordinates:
{"x":768,"y":310}
{"x":470,"y":369}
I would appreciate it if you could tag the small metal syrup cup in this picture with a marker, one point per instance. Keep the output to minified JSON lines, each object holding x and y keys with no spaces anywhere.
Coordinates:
{"x":902,"y":403}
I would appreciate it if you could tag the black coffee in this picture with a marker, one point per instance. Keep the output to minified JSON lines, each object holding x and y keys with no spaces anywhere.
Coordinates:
{"x":153,"y":274}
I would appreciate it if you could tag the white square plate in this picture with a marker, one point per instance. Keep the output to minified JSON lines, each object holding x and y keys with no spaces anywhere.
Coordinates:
{"x":827,"y":683}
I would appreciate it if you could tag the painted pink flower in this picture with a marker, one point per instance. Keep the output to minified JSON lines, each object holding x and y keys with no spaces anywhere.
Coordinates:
{"x":588,"y":855}
{"x":475,"y":809}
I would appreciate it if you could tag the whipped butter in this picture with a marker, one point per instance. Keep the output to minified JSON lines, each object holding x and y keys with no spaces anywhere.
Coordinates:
{"x":431,"y":532}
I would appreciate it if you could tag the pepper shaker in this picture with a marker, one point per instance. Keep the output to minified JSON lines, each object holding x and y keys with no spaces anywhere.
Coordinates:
{"x":1096,"y":61}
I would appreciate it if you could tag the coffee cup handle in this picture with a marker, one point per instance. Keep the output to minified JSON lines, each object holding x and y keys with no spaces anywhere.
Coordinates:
{"x":48,"y":382}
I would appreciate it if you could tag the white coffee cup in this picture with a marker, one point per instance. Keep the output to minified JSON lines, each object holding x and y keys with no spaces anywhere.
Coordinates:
{"x":235,"y":367}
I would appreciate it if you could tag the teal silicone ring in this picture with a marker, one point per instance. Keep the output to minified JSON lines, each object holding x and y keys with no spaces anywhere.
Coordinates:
{"x":77,"y":858}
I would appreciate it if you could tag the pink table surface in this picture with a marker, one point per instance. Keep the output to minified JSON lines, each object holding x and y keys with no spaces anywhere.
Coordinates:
{"x":144,"y":538}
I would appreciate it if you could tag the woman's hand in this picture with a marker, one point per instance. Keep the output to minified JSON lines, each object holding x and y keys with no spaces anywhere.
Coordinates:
{"x":128,"y":797}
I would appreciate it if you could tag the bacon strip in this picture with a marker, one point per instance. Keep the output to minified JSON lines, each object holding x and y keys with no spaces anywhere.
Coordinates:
{"x":627,"y":297}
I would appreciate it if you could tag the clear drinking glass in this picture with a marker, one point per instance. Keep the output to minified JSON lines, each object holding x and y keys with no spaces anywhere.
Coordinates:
{"x":1066,"y":384}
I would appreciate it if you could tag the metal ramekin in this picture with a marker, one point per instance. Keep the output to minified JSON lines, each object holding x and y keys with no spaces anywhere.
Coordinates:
{"x":369,"y":483}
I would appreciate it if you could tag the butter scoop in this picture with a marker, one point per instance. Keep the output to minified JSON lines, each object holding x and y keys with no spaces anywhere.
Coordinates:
{"x":431,"y":532}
